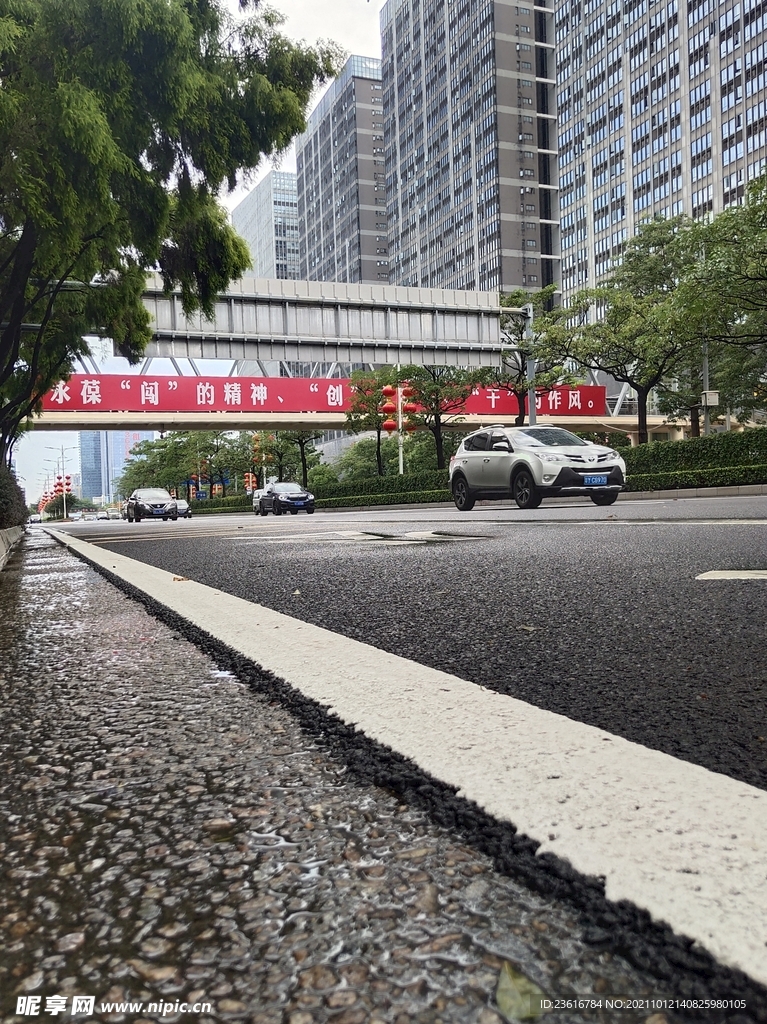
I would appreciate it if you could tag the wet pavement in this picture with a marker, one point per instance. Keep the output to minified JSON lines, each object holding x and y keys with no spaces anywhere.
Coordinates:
{"x":170,"y":836}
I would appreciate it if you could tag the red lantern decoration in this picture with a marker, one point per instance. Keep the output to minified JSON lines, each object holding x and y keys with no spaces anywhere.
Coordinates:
{"x":407,"y":391}
{"x":388,"y":390}
{"x":389,"y":408}
{"x":389,"y":425}
{"x":410,"y":407}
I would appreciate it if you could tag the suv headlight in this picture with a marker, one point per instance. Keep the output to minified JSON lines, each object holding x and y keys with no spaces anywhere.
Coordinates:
{"x":549,"y":457}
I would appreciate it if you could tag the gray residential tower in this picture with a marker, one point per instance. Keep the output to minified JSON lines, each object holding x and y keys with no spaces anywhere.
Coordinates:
{"x":342,"y":181}
{"x":661,"y":111}
{"x":267,"y":218}
{"x":470,"y":114}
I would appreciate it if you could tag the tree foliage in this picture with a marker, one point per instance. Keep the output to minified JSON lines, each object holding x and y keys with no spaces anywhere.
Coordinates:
{"x":441,"y":392}
{"x":546,"y":345}
{"x":638,"y":336}
{"x":367,"y":397}
{"x":119,"y":124}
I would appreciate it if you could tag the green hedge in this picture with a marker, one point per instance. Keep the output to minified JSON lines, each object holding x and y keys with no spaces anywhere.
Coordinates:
{"x":747,"y":449}
{"x":722,"y":476}
{"x":411,"y":498}
{"x":235,"y":504}
{"x":13,"y":510}
{"x":429,"y":480}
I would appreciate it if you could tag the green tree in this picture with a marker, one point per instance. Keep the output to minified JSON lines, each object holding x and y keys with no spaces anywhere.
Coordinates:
{"x":119,"y":124}
{"x":441,"y":392}
{"x":360,"y":460}
{"x":547,"y":344}
{"x":320,"y":474}
{"x":639,"y":336}
{"x":421,"y":453}
{"x":279,"y":454}
{"x":367,"y":397}
{"x":724,"y":291}
{"x":303,"y":442}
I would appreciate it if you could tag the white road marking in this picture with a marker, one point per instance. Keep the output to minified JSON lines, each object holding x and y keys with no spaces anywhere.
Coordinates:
{"x":734,"y":574}
{"x":683,"y":842}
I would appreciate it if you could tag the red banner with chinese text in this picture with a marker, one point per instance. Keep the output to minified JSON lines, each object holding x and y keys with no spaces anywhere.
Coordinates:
{"x":146,"y":393}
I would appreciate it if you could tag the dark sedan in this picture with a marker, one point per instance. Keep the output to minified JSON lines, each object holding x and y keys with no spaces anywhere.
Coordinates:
{"x":150,"y":503}
{"x":279,"y":498}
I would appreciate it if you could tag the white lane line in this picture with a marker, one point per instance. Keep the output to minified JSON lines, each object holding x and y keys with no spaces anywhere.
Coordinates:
{"x":683,"y":842}
{"x":734,"y":574}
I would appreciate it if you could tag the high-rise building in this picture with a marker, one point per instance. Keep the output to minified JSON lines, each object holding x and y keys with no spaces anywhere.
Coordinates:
{"x":342,"y":180}
{"x":103,"y":455}
{"x":90,"y":464}
{"x":661,"y":111}
{"x":470,"y":116}
{"x":267,"y":218}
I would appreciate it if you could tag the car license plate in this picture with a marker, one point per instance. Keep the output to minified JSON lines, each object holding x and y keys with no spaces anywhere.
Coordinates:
{"x":300,"y":504}
{"x":594,"y":481}
{"x":158,"y":512}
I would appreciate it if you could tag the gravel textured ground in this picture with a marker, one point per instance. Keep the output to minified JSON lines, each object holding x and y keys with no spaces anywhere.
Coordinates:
{"x":169,"y":834}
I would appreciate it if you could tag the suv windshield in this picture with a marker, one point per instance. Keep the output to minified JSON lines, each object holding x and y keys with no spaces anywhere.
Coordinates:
{"x":288,"y":488}
{"x":550,"y":437}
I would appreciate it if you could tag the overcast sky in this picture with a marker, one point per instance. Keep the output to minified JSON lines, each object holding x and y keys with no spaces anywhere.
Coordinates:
{"x":351,"y":23}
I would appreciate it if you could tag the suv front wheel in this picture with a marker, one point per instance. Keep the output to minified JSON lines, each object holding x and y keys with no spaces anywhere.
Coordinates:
{"x":524,"y":490}
{"x":462,"y":496}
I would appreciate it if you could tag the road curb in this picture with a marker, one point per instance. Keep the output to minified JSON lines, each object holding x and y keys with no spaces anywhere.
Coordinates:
{"x":7,"y":540}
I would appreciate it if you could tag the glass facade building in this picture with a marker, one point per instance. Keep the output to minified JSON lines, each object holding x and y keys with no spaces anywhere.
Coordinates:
{"x":470,"y":115}
{"x":103,"y":454}
{"x":661,"y":111}
{"x":342,"y":181}
{"x":267,"y":218}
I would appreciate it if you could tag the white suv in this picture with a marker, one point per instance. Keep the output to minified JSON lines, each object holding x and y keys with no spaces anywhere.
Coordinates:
{"x":532,"y":463}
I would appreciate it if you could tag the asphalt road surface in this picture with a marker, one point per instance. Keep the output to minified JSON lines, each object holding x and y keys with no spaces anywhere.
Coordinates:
{"x":596,"y":614}
{"x":589,"y":681}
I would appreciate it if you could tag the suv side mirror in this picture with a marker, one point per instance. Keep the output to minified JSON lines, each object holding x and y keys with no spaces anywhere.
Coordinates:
{"x":501,"y":446}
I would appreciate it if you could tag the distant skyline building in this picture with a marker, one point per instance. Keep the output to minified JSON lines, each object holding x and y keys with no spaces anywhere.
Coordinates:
{"x":470,"y":114}
{"x":342,"y":181}
{"x":103,"y":455}
{"x":267,"y":218}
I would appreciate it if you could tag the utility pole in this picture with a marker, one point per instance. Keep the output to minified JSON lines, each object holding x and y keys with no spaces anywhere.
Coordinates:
{"x":706,"y":415}
{"x":531,"y":363}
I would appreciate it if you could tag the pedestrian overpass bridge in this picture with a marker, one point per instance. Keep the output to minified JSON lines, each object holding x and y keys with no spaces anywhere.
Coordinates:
{"x":260,"y":320}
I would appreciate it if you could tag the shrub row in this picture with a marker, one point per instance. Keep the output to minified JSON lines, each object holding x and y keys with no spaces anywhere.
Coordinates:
{"x":411,"y":498}
{"x":429,"y":480}
{"x":748,"y":448}
{"x":13,"y":511}
{"x":722,"y":476}
{"x":238,"y":504}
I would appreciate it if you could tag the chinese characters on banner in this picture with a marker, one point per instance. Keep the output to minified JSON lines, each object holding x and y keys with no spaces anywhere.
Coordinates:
{"x":143,"y":393}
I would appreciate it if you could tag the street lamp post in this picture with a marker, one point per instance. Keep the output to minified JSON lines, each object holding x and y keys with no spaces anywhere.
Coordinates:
{"x":531,"y":364}
{"x":64,"y":478}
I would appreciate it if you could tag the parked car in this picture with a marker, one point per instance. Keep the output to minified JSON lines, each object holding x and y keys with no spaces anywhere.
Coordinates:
{"x":279,"y":498}
{"x":89,"y":517}
{"x":257,"y":500}
{"x":151,"y":503}
{"x":184,"y":511}
{"x":76,"y":516}
{"x":102,"y":514}
{"x":114,"y":513}
{"x":532,"y":463}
